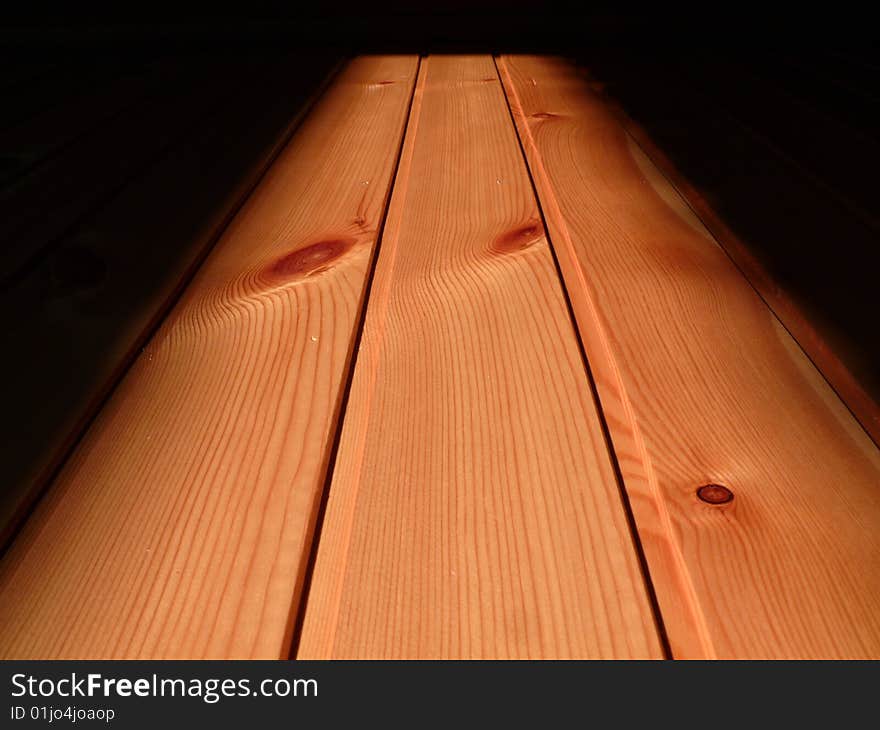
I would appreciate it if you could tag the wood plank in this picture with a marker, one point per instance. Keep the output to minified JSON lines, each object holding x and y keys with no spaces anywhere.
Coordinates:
{"x":827,"y":302}
{"x":107,"y":286}
{"x":701,"y":384}
{"x":179,"y":526}
{"x":818,"y":295}
{"x":473,"y":510}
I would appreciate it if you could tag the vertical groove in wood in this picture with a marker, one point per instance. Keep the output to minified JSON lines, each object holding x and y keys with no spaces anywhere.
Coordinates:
{"x":139,"y":285}
{"x":298,"y":614}
{"x":177,"y":528}
{"x":700,"y":384}
{"x":473,"y":511}
{"x":618,"y":473}
{"x":833,"y":355}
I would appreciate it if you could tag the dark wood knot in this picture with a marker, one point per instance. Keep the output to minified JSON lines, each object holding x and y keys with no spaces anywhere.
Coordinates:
{"x":715,"y":494}
{"x":310,"y":260}
{"x":518,"y":238}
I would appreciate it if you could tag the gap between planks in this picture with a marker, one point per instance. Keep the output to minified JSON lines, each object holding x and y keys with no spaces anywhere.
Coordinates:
{"x":398,"y":574}
{"x":606,"y":432}
{"x":15,"y":508}
{"x":214,"y":419}
{"x":819,"y":343}
{"x":312,"y":552}
{"x":700,"y":383}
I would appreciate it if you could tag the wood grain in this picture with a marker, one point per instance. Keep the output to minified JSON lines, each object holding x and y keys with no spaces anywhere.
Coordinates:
{"x":783,"y":257}
{"x":473,"y":510}
{"x":843,"y":364}
{"x":107,"y":286}
{"x":179,"y":525}
{"x":701,"y":384}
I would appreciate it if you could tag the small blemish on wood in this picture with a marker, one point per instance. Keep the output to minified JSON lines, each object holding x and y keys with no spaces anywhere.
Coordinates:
{"x":543,"y":115}
{"x":386,"y":82}
{"x":715,"y":494}
{"x":518,"y":238}
{"x":310,"y":260}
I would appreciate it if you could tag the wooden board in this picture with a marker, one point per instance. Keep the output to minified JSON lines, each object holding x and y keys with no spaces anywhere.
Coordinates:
{"x":701,"y":384}
{"x":473,"y":510}
{"x":179,"y":526}
{"x":106,"y":287}
{"x":845,"y":359}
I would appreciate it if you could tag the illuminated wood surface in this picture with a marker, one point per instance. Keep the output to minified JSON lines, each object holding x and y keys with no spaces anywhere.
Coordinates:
{"x":181,"y":524}
{"x":106,"y":286}
{"x":701,"y":384}
{"x":481,"y":502}
{"x":473,"y":511}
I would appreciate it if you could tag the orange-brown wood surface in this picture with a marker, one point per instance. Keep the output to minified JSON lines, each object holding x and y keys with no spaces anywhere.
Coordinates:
{"x":701,"y":384}
{"x":181,"y":524}
{"x":512,"y":467}
{"x":842,"y":364}
{"x":474,"y":510}
{"x":124,"y":278}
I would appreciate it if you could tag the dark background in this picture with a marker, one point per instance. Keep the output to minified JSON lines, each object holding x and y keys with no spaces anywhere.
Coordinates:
{"x":500,"y":25}
{"x":128,"y":129}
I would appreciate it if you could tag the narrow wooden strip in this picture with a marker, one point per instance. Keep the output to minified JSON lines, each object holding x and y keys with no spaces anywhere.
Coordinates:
{"x":109,"y":285}
{"x":179,"y":526}
{"x":473,"y":510}
{"x":701,"y":385}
